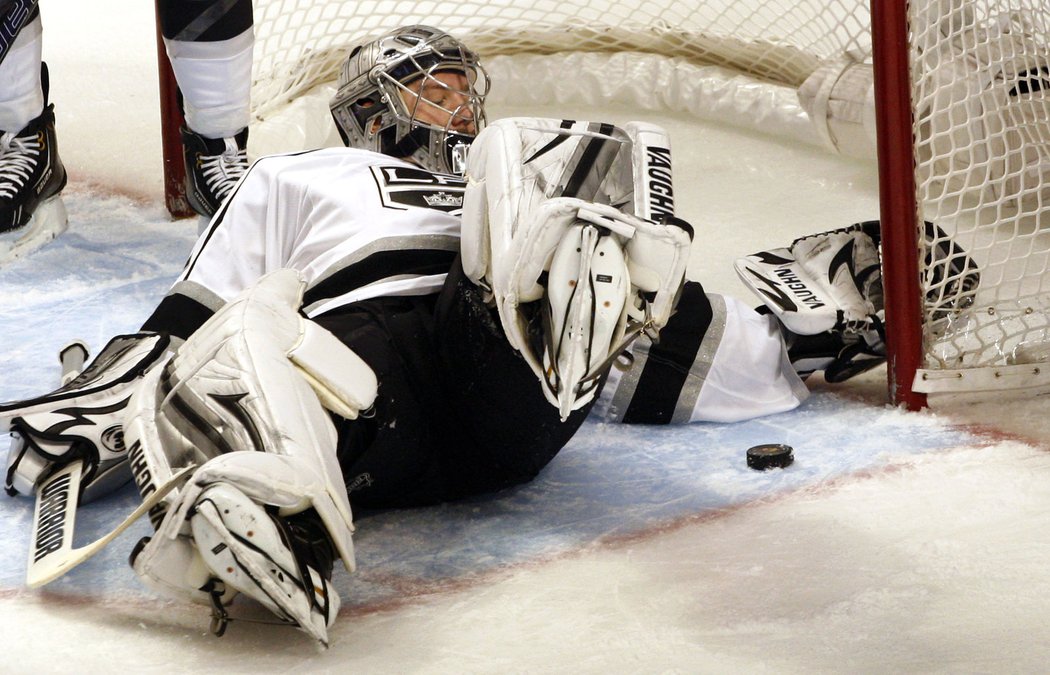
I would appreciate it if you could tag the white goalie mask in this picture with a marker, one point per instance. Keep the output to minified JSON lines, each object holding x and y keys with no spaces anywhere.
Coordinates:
{"x":416,"y":93}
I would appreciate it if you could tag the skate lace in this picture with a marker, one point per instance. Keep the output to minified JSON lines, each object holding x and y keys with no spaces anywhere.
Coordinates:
{"x":221,"y":172}
{"x":18,"y":158}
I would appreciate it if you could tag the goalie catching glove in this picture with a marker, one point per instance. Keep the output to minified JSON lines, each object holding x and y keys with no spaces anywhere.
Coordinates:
{"x":247,"y":399}
{"x":826,"y":291}
{"x":82,"y":420}
{"x":558,"y":226}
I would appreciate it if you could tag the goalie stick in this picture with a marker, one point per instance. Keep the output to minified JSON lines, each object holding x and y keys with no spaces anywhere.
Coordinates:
{"x":51,"y":552}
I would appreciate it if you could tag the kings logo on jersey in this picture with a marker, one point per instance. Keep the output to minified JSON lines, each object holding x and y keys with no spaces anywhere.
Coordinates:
{"x":402,"y":187}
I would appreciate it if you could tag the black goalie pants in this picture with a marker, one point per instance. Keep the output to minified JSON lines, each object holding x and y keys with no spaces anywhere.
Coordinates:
{"x":458,"y":412}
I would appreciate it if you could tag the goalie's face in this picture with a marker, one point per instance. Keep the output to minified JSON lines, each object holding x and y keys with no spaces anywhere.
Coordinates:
{"x":443,"y":100}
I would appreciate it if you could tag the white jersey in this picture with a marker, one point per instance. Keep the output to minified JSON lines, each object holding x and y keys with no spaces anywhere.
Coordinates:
{"x":361,"y":225}
{"x":357,"y":224}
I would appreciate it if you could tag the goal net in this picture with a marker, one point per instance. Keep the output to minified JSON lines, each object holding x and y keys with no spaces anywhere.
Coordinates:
{"x":975,"y":152}
{"x":980,"y":85}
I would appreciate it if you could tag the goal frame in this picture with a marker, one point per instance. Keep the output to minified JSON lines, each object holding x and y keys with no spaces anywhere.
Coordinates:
{"x":898,"y":207}
{"x":171,"y":121}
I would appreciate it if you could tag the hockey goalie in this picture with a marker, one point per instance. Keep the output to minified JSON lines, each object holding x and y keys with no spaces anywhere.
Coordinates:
{"x":370,"y":326}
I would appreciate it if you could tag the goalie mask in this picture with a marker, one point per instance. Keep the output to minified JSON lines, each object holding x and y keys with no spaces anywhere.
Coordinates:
{"x":416,"y":93}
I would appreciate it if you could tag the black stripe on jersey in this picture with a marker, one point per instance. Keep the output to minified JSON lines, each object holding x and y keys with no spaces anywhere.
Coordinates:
{"x":667,"y":369}
{"x":378,"y":266}
{"x":558,"y":140}
{"x":204,"y":20}
{"x":178,"y":315}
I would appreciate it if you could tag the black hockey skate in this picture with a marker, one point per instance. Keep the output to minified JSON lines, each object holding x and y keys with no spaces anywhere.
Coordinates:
{"x":31,"y":178}
{"x":213,"y":167}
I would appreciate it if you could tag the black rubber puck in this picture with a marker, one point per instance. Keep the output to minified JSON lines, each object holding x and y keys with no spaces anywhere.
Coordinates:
{"x":770,"y":456}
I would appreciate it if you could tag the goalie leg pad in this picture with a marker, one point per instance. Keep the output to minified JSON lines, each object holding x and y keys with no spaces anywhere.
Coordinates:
{"x":540,"y":224}
{"x":254,"y":377}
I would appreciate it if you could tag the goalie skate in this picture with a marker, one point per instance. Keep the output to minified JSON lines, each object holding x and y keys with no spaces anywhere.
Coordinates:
{"x":251,"y":552}
{"x":586,"y":307}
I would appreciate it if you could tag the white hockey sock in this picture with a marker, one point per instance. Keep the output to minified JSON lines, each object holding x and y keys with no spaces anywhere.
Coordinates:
{"x":21,"y":96}
{"x":215,"y":79}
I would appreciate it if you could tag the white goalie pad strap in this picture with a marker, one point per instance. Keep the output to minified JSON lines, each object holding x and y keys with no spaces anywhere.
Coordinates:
{"x":812,"y":287}
{"x":344,"y":383}
{"x":657,"y":258}
{"x":173,"y":567}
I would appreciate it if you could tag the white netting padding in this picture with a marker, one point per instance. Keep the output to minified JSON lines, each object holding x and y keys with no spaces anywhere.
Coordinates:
{"x":300,"y":43}
{"x":981,"y":82}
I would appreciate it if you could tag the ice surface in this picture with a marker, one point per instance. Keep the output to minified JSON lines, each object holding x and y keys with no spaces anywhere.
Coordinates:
{"x":897,"y":542}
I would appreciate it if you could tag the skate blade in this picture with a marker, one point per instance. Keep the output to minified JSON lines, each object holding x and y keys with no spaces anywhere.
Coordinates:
{"x":49,"y":220}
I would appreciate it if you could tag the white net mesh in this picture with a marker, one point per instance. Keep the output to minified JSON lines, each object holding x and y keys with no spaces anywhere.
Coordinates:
{"x":981,"y":84}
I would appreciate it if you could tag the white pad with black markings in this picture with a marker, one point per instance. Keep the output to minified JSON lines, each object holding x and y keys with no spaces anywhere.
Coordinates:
{"x":546,"y":202}
{"x":822,"y":282}
{"x":257,"y":376}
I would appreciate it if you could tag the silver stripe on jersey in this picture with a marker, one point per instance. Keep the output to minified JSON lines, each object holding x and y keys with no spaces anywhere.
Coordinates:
{"x":628,"y":384}
{"x":626,"y":388}
{"x":705,"y":357}
{"x":199,"y":293}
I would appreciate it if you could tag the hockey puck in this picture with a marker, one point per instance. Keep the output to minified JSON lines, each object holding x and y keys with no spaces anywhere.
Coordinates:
{"x":770,"y":456}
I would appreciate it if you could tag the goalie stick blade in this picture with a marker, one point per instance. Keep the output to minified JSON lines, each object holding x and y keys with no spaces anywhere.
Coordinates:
{"x":51,"y":552}
{"x":53,"y":519}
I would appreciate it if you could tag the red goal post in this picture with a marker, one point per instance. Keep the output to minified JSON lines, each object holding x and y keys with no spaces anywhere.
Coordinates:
{"x":959,"y":108}
{"x":898,"y":211}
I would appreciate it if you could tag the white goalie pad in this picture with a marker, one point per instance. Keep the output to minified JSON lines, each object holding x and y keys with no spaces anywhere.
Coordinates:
{"x":257,"y":376}
{"x":557,"y":213}
{"x":221,"y":528}
{"x":822,"y":282}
